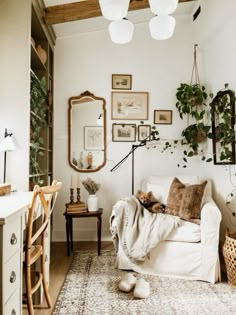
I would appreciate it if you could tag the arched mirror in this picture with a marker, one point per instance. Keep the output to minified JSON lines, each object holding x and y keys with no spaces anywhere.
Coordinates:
{"x":87,"y":132}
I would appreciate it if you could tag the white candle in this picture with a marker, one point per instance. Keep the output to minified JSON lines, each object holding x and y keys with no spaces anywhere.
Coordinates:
{"x":78,"y":182}
{"x":71,"y":181}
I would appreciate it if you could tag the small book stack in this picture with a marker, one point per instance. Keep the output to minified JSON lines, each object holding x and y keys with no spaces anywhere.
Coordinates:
{"x":78,"y":207}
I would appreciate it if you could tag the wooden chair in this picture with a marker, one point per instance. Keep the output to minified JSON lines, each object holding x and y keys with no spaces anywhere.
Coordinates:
{"x":43,"y":197}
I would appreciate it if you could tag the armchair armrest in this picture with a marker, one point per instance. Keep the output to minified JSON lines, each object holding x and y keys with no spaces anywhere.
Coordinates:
{"x":210,"y":223}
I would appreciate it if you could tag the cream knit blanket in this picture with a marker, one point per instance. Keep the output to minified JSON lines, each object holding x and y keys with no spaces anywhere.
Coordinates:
{"x":137,"y":230}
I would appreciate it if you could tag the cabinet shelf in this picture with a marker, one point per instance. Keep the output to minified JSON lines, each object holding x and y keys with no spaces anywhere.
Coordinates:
{"x":36,"y":62}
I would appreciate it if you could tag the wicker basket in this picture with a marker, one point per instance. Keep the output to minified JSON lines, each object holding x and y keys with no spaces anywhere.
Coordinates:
{"x":229,"y":253}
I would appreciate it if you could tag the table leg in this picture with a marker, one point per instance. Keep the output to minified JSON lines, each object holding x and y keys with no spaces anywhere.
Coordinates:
{"x":68,"y":235}
{"x":99,"y":228}
{"x":71,"y":234}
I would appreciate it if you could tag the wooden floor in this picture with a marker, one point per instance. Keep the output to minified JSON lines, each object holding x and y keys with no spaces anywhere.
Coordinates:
{"x":59,"y":265}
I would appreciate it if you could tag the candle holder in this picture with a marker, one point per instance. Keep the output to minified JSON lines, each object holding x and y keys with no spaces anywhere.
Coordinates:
{"x":78,"y":195}
{"x":71,"y":195}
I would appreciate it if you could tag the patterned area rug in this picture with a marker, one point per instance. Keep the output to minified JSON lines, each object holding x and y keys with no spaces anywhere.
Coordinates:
{"x":91,"y":287}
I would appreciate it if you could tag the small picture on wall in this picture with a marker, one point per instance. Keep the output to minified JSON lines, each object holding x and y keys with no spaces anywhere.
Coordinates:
{"x":163,"y":117}
{"x":129,"y":105}
{"x":93,"y":138}
{"x":123,"y":132}
{"x":121,"y":82}
{"x":144,"y":132}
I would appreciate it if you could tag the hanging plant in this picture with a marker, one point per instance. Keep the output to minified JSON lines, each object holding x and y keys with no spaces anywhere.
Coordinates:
{"x":223,"y":121}
{"x":38,"y":121}
{"x":191,"y":103}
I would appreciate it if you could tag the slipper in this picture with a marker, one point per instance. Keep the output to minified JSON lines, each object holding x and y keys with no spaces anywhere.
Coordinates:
{"x":141,"y":290}
{"x":127,"y":282}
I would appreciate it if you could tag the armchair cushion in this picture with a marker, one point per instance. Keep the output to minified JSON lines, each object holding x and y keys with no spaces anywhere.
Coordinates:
{"x":185,"y":201}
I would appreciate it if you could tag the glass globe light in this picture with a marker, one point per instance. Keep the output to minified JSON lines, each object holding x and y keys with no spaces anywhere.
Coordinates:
{"x":121,"y":32}
{"x":162,"y":27}
{"x":160,"y":7}
{"x":114,"y":9}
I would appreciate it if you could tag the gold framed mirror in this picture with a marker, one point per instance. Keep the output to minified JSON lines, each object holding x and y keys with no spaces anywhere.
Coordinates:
{"x":87,"y":132}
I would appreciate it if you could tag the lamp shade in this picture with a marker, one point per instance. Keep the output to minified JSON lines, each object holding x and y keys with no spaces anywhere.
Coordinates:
{"x":162,"y":27}
{"x":160,"y":7}
{"x":7,"y":144}
{"x":121,"y":32}
{"x":114,"y":9}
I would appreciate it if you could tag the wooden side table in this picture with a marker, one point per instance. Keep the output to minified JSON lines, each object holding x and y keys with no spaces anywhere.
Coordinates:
{"x":69,"y":226}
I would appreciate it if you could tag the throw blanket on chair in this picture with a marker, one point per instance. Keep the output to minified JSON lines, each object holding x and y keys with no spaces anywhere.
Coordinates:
{"x":138,"y":230}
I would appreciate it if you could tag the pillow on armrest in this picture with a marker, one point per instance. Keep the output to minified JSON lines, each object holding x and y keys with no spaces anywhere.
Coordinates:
{"x":185,"y":201}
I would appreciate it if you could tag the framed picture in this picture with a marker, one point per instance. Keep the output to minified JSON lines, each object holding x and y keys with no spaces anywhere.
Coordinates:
{"x":144,"y":132}
{"x":93,"y":138}
{"x":163,"y":117}
{"x":129,"y":105}
{"x":124,"y":132}
{"x":121,"y":82}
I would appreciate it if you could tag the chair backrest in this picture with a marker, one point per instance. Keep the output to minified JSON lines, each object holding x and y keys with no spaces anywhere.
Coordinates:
{"x":43,"y":200}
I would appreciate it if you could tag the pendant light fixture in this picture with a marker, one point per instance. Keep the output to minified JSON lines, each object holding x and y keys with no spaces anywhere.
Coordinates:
{"x":114,"y":10}
{"x":162,"y":27}
{"x":160,"y":7}
{"x":121,"y":31}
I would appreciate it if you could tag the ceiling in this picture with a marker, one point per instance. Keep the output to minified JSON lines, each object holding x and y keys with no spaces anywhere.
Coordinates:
{"x":70,"y":17}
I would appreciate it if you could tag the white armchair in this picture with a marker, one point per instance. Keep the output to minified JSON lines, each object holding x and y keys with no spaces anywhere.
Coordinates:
{"x":191,"y":250}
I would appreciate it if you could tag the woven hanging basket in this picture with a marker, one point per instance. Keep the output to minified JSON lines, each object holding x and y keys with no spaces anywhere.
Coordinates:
{"x":229,"y":253}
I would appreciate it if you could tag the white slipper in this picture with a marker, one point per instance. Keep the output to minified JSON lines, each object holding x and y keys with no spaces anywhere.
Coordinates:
{"x":142,"y":289}
{"x":127,"y":282}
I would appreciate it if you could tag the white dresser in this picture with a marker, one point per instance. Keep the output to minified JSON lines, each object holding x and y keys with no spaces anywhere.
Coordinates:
{"x":12,"y":216}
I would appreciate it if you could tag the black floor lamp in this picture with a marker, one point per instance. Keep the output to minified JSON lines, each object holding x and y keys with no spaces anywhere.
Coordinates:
{"x":134,"y":147}
{"x":7,"y":144}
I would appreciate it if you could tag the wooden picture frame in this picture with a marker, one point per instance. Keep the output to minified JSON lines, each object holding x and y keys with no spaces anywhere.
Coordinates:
{"x":129,"y":105}
{"x":163,"y":117}
{"x":144,"y":132}
{"x":123,"y":132}
{"x":121,"y":82}
{"x":93,"y":138}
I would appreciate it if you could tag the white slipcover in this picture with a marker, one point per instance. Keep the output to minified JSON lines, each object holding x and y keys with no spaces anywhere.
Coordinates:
{"x":196,"y":258}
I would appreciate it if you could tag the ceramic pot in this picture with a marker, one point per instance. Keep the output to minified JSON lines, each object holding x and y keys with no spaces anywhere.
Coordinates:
{"x":92,"y":203}
{"x":42,"y":54}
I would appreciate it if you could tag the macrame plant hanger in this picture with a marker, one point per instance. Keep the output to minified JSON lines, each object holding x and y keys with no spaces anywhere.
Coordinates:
{"x":195,"y":75}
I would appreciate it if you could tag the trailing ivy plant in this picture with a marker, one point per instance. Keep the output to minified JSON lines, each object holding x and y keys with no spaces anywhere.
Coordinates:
{"x":223,"y":120}
{"x":38,"y":120}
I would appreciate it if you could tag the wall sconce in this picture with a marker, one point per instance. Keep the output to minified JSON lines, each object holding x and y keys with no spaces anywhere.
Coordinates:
{"x":6,"y":145}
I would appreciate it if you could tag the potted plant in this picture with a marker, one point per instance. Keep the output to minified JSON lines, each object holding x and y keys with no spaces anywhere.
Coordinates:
{"x":92,"y":187}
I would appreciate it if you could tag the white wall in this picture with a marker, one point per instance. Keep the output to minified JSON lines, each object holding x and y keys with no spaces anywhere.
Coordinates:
{"x":216,"y":39}
{"x":86,"y":62}
{"x":15,"y":88}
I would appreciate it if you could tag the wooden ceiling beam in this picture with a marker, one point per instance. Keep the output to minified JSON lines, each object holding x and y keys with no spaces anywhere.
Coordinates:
{"x":84,"y":10}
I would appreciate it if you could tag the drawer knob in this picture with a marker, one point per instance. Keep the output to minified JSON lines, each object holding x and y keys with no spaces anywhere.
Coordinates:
{"x":13,"y":239}
{"x":13,"y":312}
{"x":13,"y":277}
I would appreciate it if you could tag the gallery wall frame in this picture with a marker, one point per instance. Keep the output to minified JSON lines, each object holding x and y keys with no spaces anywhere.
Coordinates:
{"x":144,"y":132}
{"x":129,"y":105}
{"x":123,"y":132}
{"x":93,"y":138}
{"x":163,"y":117}
{"x":121,"y":82}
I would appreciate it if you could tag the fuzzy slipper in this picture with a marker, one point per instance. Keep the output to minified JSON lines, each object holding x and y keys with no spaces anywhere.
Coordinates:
{"x":142,"y":289}
{"x":127,"y":282}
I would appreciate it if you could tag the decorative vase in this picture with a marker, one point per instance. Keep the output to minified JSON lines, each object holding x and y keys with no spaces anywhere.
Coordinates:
{"x":92,"y":203}
{"x":42,"y":54}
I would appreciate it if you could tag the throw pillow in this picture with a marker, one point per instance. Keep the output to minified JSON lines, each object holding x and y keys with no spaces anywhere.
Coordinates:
{"x":185,"y":201}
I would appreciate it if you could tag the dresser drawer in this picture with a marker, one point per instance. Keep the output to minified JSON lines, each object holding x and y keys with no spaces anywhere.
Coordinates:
{"x":11,"y":276}
{"x":12,"y":238}
{"x":13,"y":305}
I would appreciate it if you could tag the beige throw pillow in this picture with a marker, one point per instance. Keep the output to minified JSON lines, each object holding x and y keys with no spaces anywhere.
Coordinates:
{"x":185,"y":201}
